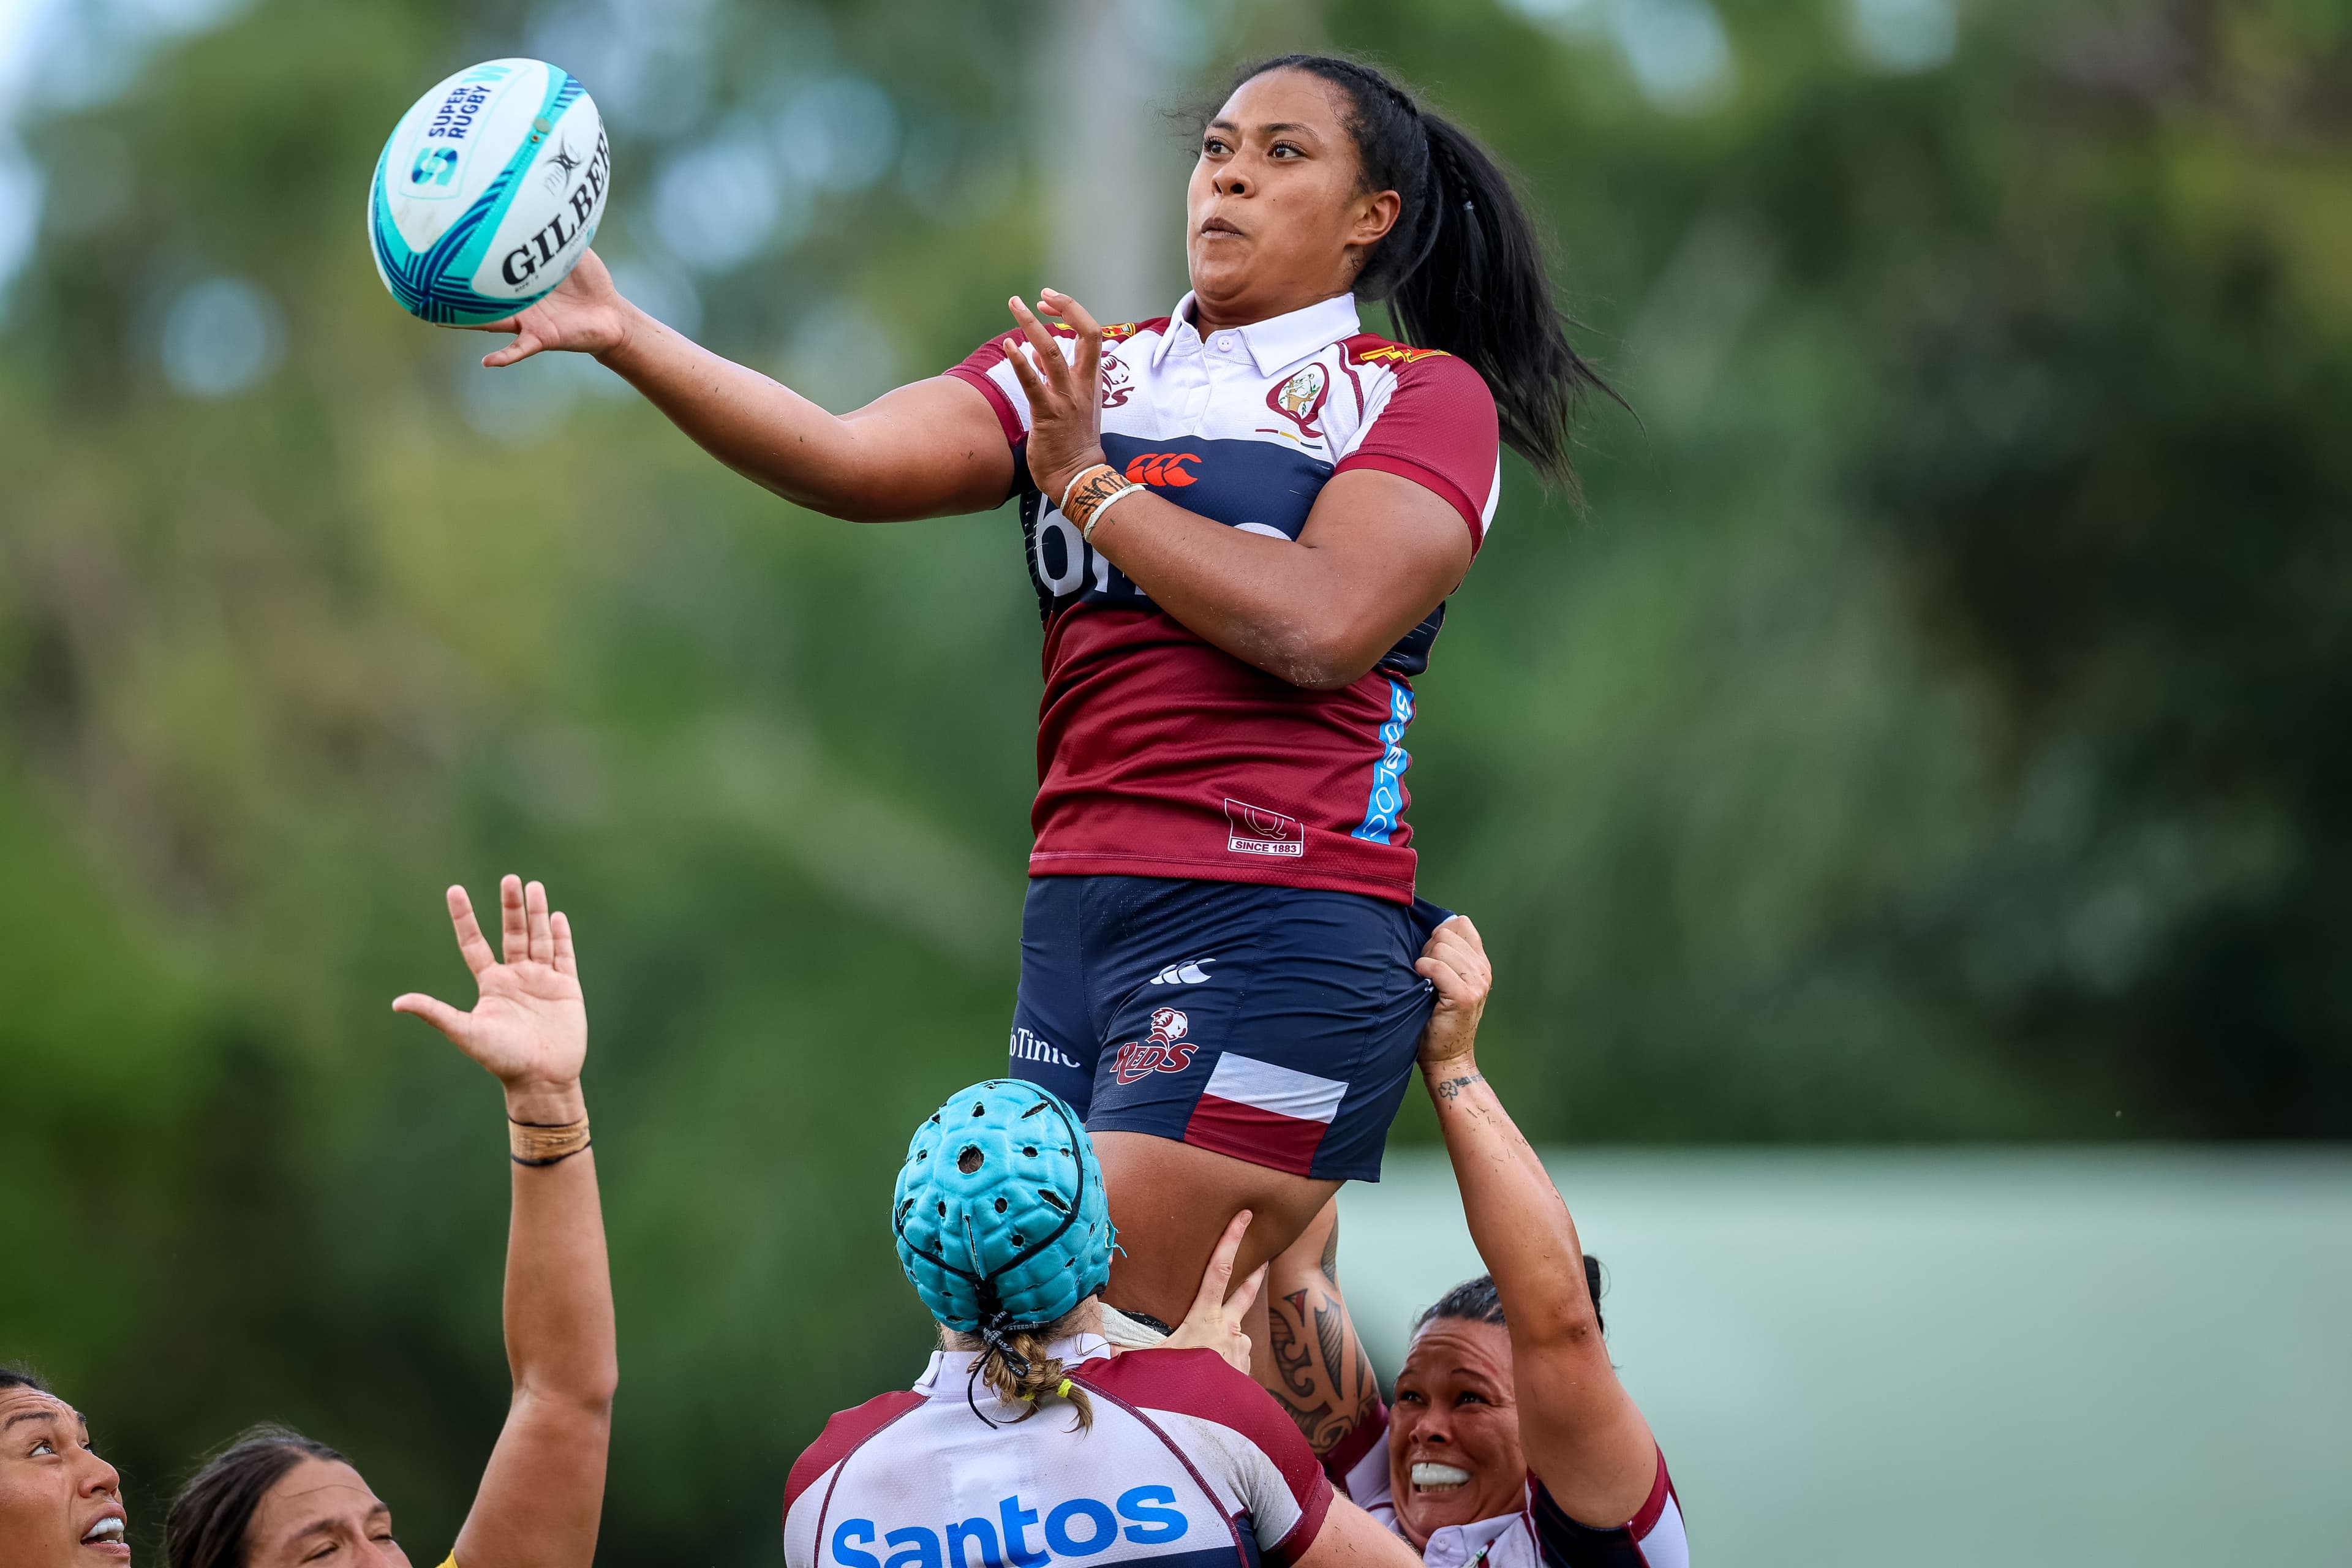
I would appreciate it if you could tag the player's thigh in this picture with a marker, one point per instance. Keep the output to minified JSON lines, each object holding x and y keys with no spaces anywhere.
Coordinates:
{"x":1172,"y":1201}
{"x":1280,"y":1031}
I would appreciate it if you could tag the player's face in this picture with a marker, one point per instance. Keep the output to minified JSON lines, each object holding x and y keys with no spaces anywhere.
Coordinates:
{"x":320,"y":1514}
{"x":1454,"y":1435}
{"x":1275,"y":217}
{"x":61,"y":1504}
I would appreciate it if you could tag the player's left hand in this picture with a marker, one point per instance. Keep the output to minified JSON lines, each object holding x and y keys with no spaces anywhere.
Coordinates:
{"x":1065,"y":398}
{"x":1454,"y":962}
{"x":1216,"y":1321}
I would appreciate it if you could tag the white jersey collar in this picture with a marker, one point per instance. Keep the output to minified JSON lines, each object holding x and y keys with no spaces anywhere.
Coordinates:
{"x":1455,"y":1545}
{"x":949,"y":1372}
{"x":1276,"y":343}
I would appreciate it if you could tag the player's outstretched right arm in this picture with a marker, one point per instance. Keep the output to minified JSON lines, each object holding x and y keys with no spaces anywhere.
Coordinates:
{"x":932,"y":448}
{"x":1585,"y":1439}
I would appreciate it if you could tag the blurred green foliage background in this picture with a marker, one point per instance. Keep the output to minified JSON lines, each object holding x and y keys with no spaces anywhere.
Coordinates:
{"x":1935,"y":729}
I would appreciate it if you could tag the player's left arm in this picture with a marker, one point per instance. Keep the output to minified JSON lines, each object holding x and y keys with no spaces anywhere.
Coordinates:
{"x":1378,"y":552}
{"x":1586,"y":1440}
{"x":542,"y":1493}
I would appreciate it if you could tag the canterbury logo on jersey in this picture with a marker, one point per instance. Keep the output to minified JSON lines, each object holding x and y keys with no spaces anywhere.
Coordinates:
{"x":1163,"y":468}
{"x":1081,"y":1527}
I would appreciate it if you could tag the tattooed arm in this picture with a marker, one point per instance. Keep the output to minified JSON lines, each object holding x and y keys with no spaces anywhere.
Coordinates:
{"x":1319,"y":1370}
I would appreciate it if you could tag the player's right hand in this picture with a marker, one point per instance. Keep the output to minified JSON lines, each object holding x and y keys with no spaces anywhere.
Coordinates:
{"x":1216,"y":1319}
{"x":584,"y":314}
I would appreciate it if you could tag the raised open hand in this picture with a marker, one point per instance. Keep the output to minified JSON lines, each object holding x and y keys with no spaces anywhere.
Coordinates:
{"x":1065,"y":398}
{"x":1216,"y":1321}
{"x":584,"y":313}
{"x":529,"y":1026}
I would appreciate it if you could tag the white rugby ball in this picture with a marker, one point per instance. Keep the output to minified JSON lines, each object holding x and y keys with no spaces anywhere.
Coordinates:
{"x":488,"y":193}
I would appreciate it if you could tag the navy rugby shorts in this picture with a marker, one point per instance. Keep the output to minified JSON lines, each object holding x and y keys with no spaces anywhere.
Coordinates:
{"x":1275,"y":1024}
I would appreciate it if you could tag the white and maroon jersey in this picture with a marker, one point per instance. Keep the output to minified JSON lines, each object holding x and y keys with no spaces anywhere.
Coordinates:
{"x":1189,"y":1464}
{"x":1539,"y":1535}
{"x":1159,"y":754}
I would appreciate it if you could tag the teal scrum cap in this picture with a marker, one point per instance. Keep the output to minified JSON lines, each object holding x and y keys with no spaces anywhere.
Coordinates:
{"x":999,"y":1212}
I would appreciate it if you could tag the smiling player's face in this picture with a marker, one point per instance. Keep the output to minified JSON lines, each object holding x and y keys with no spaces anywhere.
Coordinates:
{"x":322,"y":1514}
{"x":61,"y":1504}
{"x":1274,"y":219}
{"x":1454,"y":1456}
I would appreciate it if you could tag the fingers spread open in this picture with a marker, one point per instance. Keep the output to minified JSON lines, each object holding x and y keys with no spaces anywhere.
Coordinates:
{"x":472,"y":945}
{"x":534,"y":909}
{"x":566,"y":962}
{"x":514,"y":930}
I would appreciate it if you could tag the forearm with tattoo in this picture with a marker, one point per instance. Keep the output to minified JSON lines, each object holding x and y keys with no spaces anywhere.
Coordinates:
{"x":1327,"y":1382}
{"x":1452,"y":1088}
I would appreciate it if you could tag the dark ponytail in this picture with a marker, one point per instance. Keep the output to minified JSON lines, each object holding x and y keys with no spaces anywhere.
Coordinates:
{"x":1463,"y":269}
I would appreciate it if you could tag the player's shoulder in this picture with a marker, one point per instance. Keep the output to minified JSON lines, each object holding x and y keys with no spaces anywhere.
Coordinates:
{"x":1157,"y":1377}
{"x":1199,"y":1382}
{"x":844,"y":1432}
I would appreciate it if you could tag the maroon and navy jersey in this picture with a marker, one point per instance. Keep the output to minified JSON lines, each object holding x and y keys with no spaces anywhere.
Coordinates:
{"x":1539,"y":1535}
{"x":1189,"y":1464}
{"x":1160,"y":754}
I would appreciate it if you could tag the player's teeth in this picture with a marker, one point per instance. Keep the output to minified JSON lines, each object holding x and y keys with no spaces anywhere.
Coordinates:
{"x":1438,"y":1478}
{"x":105,"y":1530}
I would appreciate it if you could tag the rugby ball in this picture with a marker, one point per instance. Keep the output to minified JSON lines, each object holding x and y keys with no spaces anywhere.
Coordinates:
{"x":488,"y":193}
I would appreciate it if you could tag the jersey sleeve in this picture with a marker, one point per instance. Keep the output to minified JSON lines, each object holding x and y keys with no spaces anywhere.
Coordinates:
{"x":1235,"y":1430}
{"x":1436,"y":426}
{"x":1652,"y":1538}
{"x":1358,"y":1463}
{"x":810,"y":1478}
{"x":986,"y":368}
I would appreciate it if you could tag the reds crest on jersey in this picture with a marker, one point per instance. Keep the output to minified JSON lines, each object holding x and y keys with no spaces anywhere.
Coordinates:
{"x":1300,"y":398}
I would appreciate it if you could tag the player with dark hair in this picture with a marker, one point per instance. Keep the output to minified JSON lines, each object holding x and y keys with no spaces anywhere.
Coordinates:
{"x":275,"y":1499}
{"x":1243,"y":520}
{"x":1511,"y":1444}
{"x":60,"y":1503}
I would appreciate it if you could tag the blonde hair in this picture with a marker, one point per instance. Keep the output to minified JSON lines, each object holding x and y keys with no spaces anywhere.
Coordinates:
{"x":1047,"y":1377}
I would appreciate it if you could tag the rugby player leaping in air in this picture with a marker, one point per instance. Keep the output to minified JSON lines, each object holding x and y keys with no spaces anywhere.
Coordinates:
{"x":1243,"y":520}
